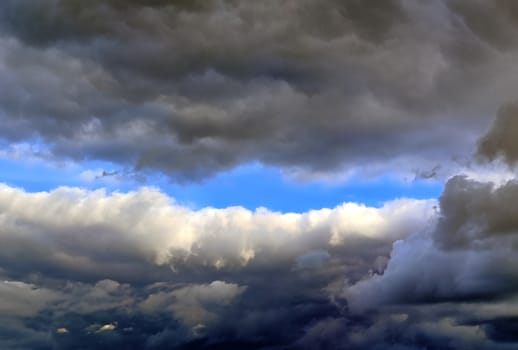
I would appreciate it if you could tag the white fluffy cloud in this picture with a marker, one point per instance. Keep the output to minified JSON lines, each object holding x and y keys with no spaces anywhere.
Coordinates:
{"x":104,"y":235}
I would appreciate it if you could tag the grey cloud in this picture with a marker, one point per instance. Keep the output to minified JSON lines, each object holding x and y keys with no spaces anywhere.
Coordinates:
{"x":500,"y":140}
{"x":467,"y":255}
{"x":420,"y":273}
{"x":195,"y":89}
{"x":460,"y":270}
{"x":24,"y":300}
{"x":312,"y":259}
{"x":192,"y":304}
{"x":476,"y":213}
{"x":15,"y":335}
{"x":495,"y":33}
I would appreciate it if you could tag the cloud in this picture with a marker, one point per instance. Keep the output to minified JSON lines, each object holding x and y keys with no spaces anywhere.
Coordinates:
{"x":313,"y":88}
{"x":192,"y":304}
{"x":476,"y":213}
{"x":137,"y":270}
{"x":312,"y":259}
{"x":500,"y":139}
{"x":460,"y":268}
{"x":140,"y":236}
{"x":24,"y":300}
{"x":107,"y":328}
{"x":466,"y":255}
{"x":316,"y":88}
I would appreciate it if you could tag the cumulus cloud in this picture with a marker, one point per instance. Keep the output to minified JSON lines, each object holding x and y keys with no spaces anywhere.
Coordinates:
{"x":463,"y":262}
{"x":315,"y":88}
{"x":311,"y":87}
{"x":94,"y":235}
{"x":471,"y":246}
{"x":137,"y":268}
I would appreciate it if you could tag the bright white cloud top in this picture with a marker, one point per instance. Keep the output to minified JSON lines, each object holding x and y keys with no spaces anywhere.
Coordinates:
{"x":97,"y":234}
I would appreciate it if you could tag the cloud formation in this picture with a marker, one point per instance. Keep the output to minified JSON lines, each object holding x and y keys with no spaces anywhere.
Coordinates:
{"x":462,"y":268}
{"x":194,"y":88}
{"x":316,"y":88}
{"x":136,"y":270}
{"x":500,"y":140}
{"x":93,"y":235}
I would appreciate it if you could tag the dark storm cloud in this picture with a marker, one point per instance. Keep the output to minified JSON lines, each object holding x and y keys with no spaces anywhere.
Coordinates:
{"x":499,"y":34}
{"x":476,"y":213}
{"x":500,"y":140}
{"x":194,"y":88}
{"x":460,"y":270}
{"x":472,"y":248}
{"x":459,"y":273}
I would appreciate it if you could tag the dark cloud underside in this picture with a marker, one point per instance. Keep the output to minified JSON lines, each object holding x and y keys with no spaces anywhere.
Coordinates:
{"x":194,"y":88}
{"x":501,"y":139}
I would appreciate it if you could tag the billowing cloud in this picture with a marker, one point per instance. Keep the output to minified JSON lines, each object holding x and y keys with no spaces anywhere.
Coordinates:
{"x":477,"y":214}
{"x":86,"y":235}
{"x":315,"y":88}
{"x":137,"y":268}
{"x":312,"y":87}
{"x":462,"y":267}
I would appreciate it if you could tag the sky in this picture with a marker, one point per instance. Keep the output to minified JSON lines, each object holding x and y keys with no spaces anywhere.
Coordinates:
{"x":295,"y":174}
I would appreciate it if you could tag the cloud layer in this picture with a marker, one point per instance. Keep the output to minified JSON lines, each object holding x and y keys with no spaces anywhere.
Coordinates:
{"x":135,"y":268}
{"x":194,"y":88}
{"x":190,"y":89}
